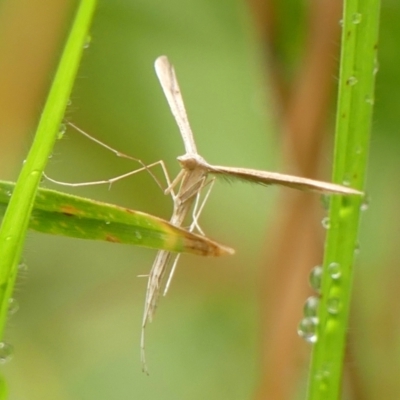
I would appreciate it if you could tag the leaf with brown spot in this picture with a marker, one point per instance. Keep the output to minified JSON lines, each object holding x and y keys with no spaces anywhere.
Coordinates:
{"x":58,"y":213}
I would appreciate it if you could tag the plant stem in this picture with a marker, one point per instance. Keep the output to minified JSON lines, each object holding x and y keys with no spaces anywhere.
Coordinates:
{"x":353,"y":125}
{"x":16,"y":219}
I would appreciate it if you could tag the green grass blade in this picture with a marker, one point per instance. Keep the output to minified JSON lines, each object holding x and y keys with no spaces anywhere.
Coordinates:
{"x":63,"y":214}
{"x":353,"y":125}
{"x":16,"y":219}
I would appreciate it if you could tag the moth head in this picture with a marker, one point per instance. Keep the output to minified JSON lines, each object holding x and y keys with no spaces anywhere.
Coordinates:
{"x":191,"y":161}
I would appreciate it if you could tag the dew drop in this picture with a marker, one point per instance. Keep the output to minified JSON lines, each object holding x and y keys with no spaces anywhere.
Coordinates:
{"x":365,"y":204}
{"x":359,"y":150}
{"x":310,"y":308}
{"x":323,"y":373}
{"x":334,"y":270}
{"x":61,"y":131}
{"x":88,"y":40}
{"x":357,"y":249}
{"x":369,"y":100}
{"x":22,"y":266}
{"x":340,"y":22}
{"x":347,"y":177}
{"x":13,"y":306}
{"x":356,"y":18}
{"x":307,"y":329}
{"x":326,"y":222}
{"x":138,"y":235}
{"x":352,"y":80}
{"x":6,"y":352}
{"x":9,"y":193}
{"x":322,"y":376}
{"x":315,"y":278}
{"x":69,"y":102}
{"x":333,"y":305}
{"x":108,"y":222}
{"x":376,"y":66}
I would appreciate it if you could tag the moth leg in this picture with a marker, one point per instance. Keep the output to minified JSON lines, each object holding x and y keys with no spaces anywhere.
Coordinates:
{"x":198,"y":210}
{"x":110,"y":181}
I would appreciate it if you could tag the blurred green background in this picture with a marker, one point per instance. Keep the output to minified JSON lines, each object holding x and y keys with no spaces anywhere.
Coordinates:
{"x":76,"y":335}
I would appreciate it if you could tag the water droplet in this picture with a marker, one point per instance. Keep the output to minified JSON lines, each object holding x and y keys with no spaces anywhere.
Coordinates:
{"x":359,"y":150}
{"x":6,"y":352}
{"x":326,"y":222}
{"x":22,"y":266}
{"x":365,"y":204}
{"x":340,"y":22}
{"x":307,"y":329}
{"x":376,"y":66}
{"x":322,"y":376}
{"x":356,"y":18}
{"x":61,"y":131}
{"x":333,"y":305}
{"x":69,"y":102}
{"x":9,"y":193}
{"x":88,"y":40}
{"x":108,"y":222}
{"x":315,"y":278}
{"x":357,"y":248}
{"x":138,"y":235}
{"x":310,"y":307}
{"x":369,"y":100}
{"x":347,"y":178}
{"x":13,"y":306}
{"x":334,"y":270}
{"x":352,"y":80}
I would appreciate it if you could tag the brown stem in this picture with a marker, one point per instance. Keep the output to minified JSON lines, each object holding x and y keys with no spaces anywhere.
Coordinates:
{"x":297,"y":231}
{"x":30,"y":34}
